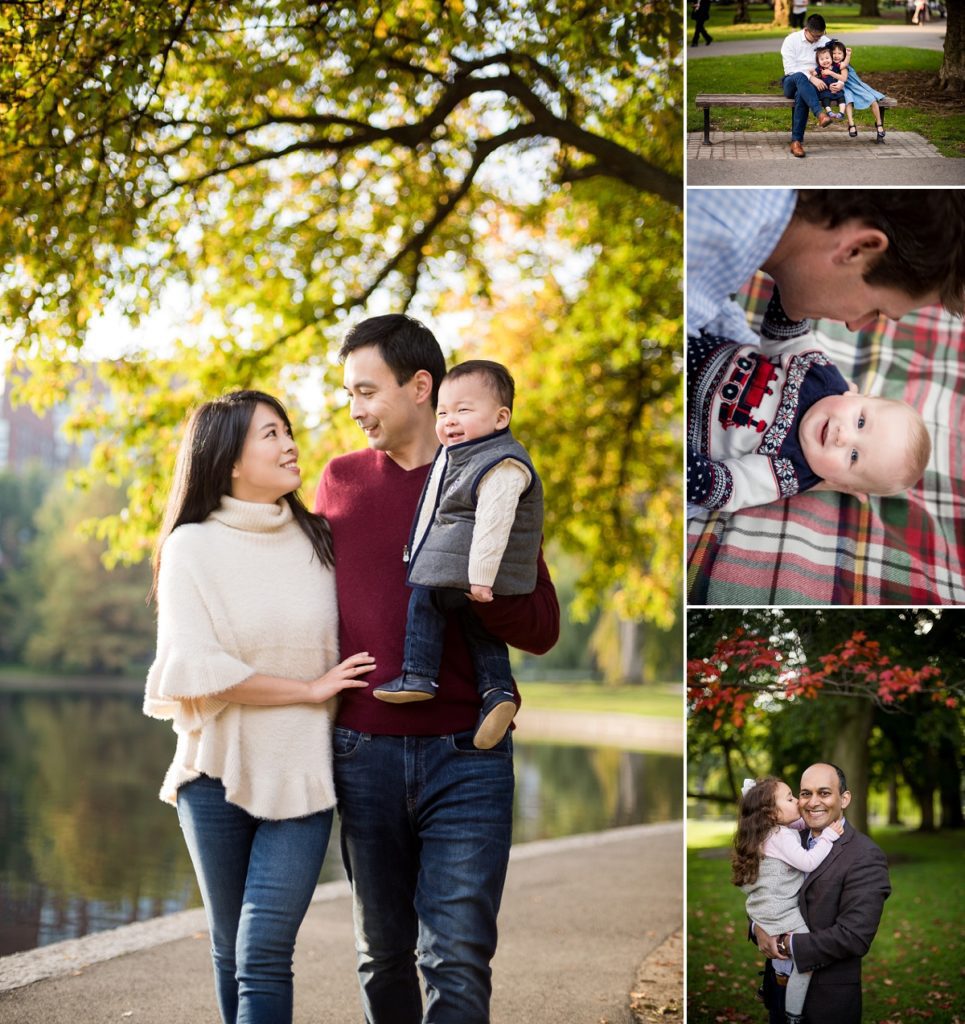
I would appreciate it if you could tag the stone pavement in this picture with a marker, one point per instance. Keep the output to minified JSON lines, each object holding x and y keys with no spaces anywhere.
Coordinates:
{"x":579,"y":916}
{"x":833,"y":158}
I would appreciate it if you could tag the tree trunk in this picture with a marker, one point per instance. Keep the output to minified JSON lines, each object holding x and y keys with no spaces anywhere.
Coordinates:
{"x":893,"y":817}
{"x":848,"y":749}
{"x":952,"y":73}
{"x":782,"y":13}
{"x":925,"y":795}
{"x":631,"y":660}
{"x":950,"y":786}
{"x":869,"y":9}
{"x":741,"y":16}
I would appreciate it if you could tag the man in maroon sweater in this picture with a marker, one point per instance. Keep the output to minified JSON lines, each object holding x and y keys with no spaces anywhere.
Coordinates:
{"x":426,"y":818}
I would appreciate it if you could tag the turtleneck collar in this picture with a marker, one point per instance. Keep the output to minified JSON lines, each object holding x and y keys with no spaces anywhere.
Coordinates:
{"x":252,"y":516}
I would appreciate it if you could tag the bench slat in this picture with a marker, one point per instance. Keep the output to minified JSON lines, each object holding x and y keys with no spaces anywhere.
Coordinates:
{"x":760,"y":100}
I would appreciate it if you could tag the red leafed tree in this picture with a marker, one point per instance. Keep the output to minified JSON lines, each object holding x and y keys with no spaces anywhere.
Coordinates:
{"x":746,"y":672}
{"x":744,"y":666}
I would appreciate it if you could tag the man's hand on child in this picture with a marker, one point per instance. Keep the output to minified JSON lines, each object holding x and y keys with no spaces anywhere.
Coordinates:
{"x":478,"y":593}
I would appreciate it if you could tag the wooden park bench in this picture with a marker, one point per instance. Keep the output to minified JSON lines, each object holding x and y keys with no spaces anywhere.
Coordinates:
{"x":759,"y":101}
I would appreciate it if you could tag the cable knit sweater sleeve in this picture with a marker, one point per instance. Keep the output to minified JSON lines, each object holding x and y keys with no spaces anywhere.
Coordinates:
{"x":191,"y":665}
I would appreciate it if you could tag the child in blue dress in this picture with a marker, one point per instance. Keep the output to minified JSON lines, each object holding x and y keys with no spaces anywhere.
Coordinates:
{"x":857,"y":94}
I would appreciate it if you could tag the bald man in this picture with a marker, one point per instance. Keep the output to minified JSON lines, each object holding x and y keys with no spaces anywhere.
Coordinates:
{"x":841,"y":901}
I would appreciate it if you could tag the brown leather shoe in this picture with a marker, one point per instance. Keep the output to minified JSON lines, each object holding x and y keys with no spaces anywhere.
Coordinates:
{"x":797,"y":149}
{"x":824,"y":121}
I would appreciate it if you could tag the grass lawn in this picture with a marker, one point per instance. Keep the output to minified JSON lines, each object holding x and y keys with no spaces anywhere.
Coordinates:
{"x":840,"y":18}
{"x":654,"y":701}
{"x":761,"y":72}
{"x":913,"y":971}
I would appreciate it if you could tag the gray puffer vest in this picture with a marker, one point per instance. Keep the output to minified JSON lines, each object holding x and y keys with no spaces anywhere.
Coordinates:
{"x":442,"y":557}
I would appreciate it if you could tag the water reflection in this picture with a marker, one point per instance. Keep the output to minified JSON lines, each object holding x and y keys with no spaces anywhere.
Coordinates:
{"x":86,"y":845}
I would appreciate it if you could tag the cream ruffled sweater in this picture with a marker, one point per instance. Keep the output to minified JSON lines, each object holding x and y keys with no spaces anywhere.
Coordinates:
{"x":239,"y":594}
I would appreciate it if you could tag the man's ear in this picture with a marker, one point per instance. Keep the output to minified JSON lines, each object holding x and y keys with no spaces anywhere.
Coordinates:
{"x":845,"y":798}
{"x":852,"y":387}
{"x":422,"y":383}
{"x":858,"y":243}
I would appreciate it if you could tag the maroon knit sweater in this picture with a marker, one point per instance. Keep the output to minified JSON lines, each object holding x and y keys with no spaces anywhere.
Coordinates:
{"x":370,"y":502}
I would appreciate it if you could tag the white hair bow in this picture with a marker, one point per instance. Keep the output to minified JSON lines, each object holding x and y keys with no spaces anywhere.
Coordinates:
{"x":749,"y":784}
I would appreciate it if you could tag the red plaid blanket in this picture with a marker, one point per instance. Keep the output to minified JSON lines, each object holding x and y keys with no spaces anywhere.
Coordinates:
{"x":829,"y":548}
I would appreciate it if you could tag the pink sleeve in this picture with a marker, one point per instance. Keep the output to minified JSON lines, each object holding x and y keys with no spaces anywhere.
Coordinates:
{"x":785,"y":845}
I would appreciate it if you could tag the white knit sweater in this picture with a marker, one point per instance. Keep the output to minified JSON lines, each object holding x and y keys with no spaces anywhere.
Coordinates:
{"x":239,"y":594}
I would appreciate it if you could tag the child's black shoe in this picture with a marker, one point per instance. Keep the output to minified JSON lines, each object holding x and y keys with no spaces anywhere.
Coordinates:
{"x":406,"y":688}
{"x":498,"y":711}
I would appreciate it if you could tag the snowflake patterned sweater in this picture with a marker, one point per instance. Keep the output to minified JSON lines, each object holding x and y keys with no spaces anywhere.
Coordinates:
{"x":744,"y":407}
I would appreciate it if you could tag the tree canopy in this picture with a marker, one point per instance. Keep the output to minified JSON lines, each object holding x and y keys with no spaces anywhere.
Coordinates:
{"x":275,"y":170}
{"x":781,"y":689}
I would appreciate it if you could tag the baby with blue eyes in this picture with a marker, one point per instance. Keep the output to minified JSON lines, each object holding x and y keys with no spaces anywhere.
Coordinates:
{"x":765,"y":423}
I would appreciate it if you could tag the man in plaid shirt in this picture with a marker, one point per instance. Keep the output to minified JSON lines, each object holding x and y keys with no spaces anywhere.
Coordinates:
{"x":843,"y":254}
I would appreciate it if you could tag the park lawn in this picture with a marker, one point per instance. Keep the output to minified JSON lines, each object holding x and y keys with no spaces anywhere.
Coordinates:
{"x":660,"y":701}
{"x":761,"y":72}
{"x":840,"y":20}
{"x":912,"y":971}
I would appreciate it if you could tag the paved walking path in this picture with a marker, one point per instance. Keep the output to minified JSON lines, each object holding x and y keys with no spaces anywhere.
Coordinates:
{"x":579,"y":916}
{"x":925,"y":37}
{"x":833,"y":158}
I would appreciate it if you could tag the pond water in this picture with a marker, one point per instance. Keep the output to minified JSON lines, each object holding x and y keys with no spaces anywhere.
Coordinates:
{"x":86,"y":845}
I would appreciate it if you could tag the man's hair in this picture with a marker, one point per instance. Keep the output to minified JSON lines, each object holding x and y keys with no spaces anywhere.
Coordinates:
{"x":842,"y":781}
{"x":405,"y":344}
{"x":496,"y":377}
{"x":815,"y":23}
{"x":926,"y":243}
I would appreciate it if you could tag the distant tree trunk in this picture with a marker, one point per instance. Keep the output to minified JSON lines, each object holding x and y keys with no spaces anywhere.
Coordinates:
{"x":950,"y":786}
{"x":849,"y":751}
{"x":893,"y":818}
{"x":869,"y":9}
{"x":631,"y":661}
{"x":924,"y":793}
{"x":782,"y":13}
{"x":952,"y":74}
{"x":740,"y":15}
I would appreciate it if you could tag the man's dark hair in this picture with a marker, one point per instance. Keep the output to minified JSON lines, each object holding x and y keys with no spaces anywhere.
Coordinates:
{"x":406,"y":345}
{"x":926,"y":244}
{"x":842,"y":781}
{"x":815,"y":23}
{"x":497,"y":378}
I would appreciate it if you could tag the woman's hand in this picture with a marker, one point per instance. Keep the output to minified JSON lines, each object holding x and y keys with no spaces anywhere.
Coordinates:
{"x":344,"y":676}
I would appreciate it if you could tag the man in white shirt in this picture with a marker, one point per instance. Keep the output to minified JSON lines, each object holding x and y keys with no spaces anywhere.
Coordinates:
{"x":797,"y":53}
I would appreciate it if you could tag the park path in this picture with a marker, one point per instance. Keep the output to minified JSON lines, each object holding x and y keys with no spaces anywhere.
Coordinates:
{"x":762,"y":158}
{"x":924,"y":37}
{"x":579,"y":916}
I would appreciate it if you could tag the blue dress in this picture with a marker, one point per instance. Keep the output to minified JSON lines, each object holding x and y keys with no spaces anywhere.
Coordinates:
{"x":858,"y":92}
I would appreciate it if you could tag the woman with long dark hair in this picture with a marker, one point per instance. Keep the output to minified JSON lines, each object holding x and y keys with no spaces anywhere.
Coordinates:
{"x":246,"y":670}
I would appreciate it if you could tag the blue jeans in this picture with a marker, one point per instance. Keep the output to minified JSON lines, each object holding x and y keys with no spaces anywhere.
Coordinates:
{"x":426,"y":829}
{"x":805,"y":96}
{"x":425,"y":628}
{"x":256,"y":878}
